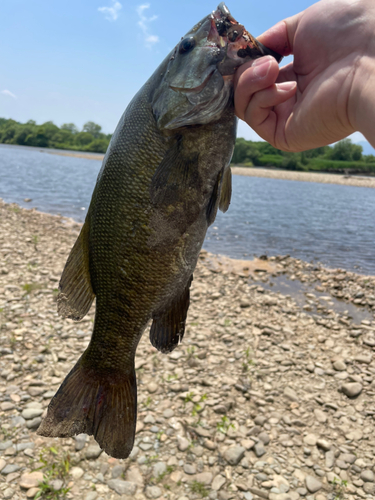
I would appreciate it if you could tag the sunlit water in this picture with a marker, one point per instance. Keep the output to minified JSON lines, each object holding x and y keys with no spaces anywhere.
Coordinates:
{"x":325,"y":222}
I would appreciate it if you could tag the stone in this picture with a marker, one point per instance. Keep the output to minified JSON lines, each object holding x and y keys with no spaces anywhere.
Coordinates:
{"x":312,"y":484}
{"x":339,"y":366}
{"x":152,"y":387}
{"x":310,"y":439}
{"x":31,"y":480}
{"x":118,"y":471}
{"x":190,"y":469}
{"x":330,"y":459}
{"x":2,"y":464}
{"x":80,"y":441}
{"x":235,"y":454}
{"x":149,"y":419}
{"x":92,"y":495}
{"x":264,"y":437}
{"x":153,"y":492}
{"x":57,"y":484}
{"x":323,"y":444}
{"x":5,"y":445}
{"x":122,"y":487}
{"x":32,"y":492}
{"x":168,"y":413}
{"x":93,"y":451}
{"x":290,"y":394}
{"x":204,"y":478}
{"x":9,"y":469}
{"x":31,"y":413}
{"x":34,"y":423}
{"x":258,"y":449}
{"x":320,"y":415}
{"x":183,"y":443}
{"x":76,"y":472}
{"x":218,"y":482}
{"x":367,"y":476}
{"x":160,"y":468}
{"x":352,"y":389}
{"x":133,"y":474}
{"x":8,"y":493}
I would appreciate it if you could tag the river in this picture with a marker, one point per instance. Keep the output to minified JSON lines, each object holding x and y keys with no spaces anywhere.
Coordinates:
{"x":332,"y":224}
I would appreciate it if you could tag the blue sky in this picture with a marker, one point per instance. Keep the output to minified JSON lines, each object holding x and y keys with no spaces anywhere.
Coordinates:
{"x":80,"y":60}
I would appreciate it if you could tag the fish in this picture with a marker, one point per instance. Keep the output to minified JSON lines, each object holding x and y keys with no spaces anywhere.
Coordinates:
{"x":164,"y":176}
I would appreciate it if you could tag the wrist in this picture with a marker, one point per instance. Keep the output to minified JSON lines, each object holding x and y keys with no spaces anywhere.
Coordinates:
{"x":362,"y":99}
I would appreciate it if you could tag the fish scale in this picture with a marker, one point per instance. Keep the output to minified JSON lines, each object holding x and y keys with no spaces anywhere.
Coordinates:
{"x":164,"y":176}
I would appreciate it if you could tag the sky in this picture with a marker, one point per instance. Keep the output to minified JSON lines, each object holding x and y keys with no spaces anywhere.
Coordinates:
{"x":80,"y":60}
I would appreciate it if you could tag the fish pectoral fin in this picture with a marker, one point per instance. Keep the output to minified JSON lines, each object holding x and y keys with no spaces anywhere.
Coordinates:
{"x":102,"y":404}
{"x":76,"y":293}
{"x":226,"y":190}
{"x":173,"y":175}
{"x":168,"y":328}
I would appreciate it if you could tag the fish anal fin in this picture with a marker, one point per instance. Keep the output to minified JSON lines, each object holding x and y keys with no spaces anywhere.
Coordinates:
{"x":168,"y":328}
{"x":226,"y":190}
{"x":76,"y":293}
{"x":102,"y":404}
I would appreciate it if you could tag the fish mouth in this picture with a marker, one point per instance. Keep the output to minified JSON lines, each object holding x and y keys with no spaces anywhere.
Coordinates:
{"x":239,"y":45}
{"x":197,"y":89}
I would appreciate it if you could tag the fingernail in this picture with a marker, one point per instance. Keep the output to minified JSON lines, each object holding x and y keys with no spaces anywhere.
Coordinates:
{"x":286,"y":86}
{"x":262,"y":67}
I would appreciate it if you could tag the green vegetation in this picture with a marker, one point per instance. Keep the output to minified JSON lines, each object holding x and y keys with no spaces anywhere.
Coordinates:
{"x":339,"y":488}
{"x":224,"y":425}
{"x":199,"y":489}
{"x":48,"y":135}
{"x":55,"y":465}
{"x":344,"y":158}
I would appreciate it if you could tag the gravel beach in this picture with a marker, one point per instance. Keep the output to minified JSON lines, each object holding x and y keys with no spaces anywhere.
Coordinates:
{"x":268,"y":397}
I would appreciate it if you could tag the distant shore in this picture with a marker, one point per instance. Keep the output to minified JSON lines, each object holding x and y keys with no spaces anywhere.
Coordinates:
{"x":288,"y":175}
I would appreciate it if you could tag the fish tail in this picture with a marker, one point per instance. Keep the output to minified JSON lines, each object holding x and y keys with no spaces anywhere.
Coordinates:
{"x":98,"y":403}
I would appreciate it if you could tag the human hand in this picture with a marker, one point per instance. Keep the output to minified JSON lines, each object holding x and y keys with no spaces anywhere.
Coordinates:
{"x":327,"y":93}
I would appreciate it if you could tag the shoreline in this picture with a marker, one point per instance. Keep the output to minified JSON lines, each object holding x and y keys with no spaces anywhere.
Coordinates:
{"x":260,"y":381}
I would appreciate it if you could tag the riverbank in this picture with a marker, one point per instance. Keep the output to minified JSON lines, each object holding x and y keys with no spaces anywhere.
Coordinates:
{"x":265,"y":398}
{"x":289,"y":175}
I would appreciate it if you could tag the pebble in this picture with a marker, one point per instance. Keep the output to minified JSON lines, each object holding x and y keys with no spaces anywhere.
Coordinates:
{"x":218,"y":482}
{"x":312,"y":484}
{"x":190,"y":469}
{"x":76,"y":472}
{"x":31,"y":480}
{"x":352,"y":390}
{"x":9,"y":469}
{"x":339,"y":366}
{"x":31,"y":413}
{"x":320,"y":415}
{"x":235,"y":454}
{"x":93,"y":451}
{"x":122,"y":487}
{"x":367,"y":476}
{"x":183,"y":443}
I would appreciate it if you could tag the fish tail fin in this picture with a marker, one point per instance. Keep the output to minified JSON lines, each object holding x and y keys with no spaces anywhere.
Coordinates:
{"x":102,"y":404}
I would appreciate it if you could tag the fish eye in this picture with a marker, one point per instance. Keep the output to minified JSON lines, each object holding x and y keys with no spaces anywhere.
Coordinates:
{"x":187,"y":44}
{"x":221,"y":28}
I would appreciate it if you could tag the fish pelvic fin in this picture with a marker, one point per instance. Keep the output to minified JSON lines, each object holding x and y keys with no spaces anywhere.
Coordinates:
{"x":226,"y":190}
{"x":168,"y":327}
{"x":102,"y":404}
{"x":76,"y":293}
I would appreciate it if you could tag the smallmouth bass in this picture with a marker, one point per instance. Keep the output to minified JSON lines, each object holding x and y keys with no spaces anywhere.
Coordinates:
{"x":164,"y":176}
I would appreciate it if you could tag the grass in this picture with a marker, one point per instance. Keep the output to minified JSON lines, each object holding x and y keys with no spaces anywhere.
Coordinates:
{"x":56,"y":465}
{"x":224,"y":425}
{"x":30,"y":287}
{"x":196,"y":406}
{"x":248,"y":360}
{"x":199,"y":488}
{"x":339,"y":488}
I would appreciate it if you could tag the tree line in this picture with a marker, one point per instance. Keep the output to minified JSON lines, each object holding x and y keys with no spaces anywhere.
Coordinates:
{"x":49,"y":135}
{"x":343,"y":157}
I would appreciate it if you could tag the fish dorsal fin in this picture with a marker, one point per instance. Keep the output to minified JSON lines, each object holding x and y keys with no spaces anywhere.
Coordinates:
{"x":76,"y":293}
{"x":168,"y":328}
{"x":226,"y":190}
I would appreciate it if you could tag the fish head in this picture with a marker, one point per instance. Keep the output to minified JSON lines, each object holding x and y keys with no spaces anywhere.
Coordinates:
{"x":197,"y":77}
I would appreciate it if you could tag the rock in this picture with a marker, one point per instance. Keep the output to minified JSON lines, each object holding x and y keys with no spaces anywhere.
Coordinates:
{"x":310,"y":439}
{"x":323,"y":444}
{"x":122,"y":487}
{"x":34,"y":423}
{"x":2,"y":464}
{"x":31,"y":480}
{"x":152,"y":387}
{"x":76,"y":472}
{"x":352,"y":390}
{"x":234,"y":454}
{"x":133,"y":474}
{"x":264,"y":437}
{"x":218,"y":482}
{"x":339,"y":366}
{"x":365,"y":358}
{"x":149,"y":419}
{"x":290,"y":394}
{"x":160,"y":468}
{"x":367,"y":476}
{"x":259,"y":450}
{"x":153,"y":492}
{"x":92,"y":495}
{"x":183,"y":443}
{"x":204,"y":478}
{"x":9,"y":469}
{"x":330,"y":459}
{"x":313,"y":484}
{"x":93,"y":451}
{"x":32,"y":492}
{"x":168,"y":413}
{"x":117,"y":471}
{"x":31,"y":413}
{"x":56,"y":484}
{"x":80,"y":441}
{"x":190,"y":469}
{"x":8,"y":493}
{"x":5,"y":445}
{"x":320,"y":415}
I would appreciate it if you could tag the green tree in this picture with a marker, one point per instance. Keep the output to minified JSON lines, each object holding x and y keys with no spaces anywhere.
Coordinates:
{"x":83,"y":139}
{"x":70,"y":127}
{"x":345,"y":150}
{"x":92,"y":128}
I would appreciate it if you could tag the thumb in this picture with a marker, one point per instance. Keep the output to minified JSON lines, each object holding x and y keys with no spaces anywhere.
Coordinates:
{"x":280,"y":37}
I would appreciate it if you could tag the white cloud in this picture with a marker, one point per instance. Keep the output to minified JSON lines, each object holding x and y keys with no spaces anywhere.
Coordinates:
{"x":111,"y":13}
{"x":8,"y":93}
{"x":144,"y":22}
